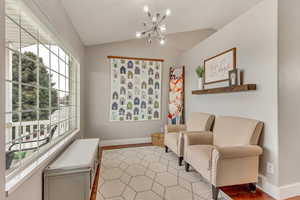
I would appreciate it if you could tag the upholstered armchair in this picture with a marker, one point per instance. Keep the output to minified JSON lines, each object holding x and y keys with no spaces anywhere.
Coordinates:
{"x":173,"y":137}
{"x":229,"y":155}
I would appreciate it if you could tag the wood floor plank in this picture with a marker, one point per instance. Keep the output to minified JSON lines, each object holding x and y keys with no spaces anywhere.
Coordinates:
{"x":294,"y":198}
{"x":96,"y":179}
{"x":241,"y":192}
{"x":125,"y":146}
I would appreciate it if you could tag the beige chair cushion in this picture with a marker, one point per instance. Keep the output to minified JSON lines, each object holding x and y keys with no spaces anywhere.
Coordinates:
{"x":199,"y":156}
{"x":199,"y":122}
{"x":234,"y":131}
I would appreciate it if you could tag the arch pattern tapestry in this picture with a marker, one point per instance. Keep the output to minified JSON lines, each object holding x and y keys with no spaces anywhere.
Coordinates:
{"x":135,"y":89}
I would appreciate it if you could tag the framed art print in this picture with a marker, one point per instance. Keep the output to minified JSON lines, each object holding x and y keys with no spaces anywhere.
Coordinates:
{"x":216,"y":68}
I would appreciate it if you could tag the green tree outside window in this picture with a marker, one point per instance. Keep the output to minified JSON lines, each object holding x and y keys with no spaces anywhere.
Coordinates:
{"x":31,"y":63}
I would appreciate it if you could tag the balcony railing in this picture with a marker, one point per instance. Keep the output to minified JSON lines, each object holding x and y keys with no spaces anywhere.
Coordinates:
{"x":31,"y":136}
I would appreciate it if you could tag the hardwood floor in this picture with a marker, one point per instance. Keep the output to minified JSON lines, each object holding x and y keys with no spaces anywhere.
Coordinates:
{"x":294,"y":198}
{"x":240,"y":192}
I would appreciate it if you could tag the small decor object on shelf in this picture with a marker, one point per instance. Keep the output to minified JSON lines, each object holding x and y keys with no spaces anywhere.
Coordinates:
{"x":200,"y":73}
{"x":233,"y":77}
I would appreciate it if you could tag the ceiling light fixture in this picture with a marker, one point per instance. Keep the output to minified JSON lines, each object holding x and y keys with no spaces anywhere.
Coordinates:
{"x":154,"y":28}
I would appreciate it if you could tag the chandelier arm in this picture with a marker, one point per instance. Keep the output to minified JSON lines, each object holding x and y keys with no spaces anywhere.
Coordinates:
{"x":147,"y":31}
{"x":160,"y":35}
{"x":149,"y":15}
{"x":163,"y":18}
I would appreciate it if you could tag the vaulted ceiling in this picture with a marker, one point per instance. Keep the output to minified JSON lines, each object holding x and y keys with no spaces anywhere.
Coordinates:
{"x":103,"y":21}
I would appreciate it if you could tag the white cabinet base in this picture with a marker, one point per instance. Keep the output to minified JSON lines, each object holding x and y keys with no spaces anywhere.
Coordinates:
{"x":71,"y":175}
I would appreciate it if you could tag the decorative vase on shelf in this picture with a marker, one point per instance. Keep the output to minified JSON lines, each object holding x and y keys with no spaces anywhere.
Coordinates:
{"x":200,"y":73}
{"x":200,"y":83}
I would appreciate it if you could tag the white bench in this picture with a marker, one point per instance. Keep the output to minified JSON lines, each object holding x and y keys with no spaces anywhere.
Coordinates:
{"x":71,"y":175}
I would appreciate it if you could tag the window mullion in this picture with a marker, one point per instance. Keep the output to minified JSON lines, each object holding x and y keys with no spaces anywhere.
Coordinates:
{"x":38,"y":93}
{"x":58,"y":91}
{"x":20,"y":89}
{"x":75,"y":92}
{"x":50,"y":92}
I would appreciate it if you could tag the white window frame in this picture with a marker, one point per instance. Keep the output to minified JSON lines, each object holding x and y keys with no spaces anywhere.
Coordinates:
{"x":29,"y":166}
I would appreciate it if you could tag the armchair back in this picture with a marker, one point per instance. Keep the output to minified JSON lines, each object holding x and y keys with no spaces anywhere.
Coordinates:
{"x":236,"y":131}
{"x":198,"y":121}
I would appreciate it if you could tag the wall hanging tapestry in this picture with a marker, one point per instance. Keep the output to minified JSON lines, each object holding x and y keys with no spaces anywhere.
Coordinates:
{"x":135,"y":89}
{"x":216,"y":68}
{"x":176,"y":95}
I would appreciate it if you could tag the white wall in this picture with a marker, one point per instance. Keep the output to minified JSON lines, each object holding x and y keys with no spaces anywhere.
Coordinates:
{"x":289,"y":87}
{"x":2,"y":99}
{"x":254,"y":34}
{"x":97,"y":92}
{"x":52,"y":14}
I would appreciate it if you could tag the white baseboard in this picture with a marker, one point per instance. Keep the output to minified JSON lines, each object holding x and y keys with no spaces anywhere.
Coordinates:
{"x":125,"y":141}
{"x":268,"y":187}
{"x":280,"y":193}
{"x":288,"y":191}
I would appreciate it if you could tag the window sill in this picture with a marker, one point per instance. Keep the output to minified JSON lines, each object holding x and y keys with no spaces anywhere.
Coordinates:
{"x":23,"y":175}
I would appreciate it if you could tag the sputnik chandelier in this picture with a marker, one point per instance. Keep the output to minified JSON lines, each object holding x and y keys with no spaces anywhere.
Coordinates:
{"x":155,"y":28}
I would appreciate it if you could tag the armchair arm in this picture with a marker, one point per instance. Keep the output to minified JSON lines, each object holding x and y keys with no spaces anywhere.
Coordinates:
{"x":239,"y":151}
{"x":247,"y":161}
{"x":197,"y":137}
{"x":174,"y":128}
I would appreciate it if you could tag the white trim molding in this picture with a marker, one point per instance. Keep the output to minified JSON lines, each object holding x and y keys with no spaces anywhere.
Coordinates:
{"x":268,"y":187}
{"x":288,"y":191}
{"x":124,"y":141}
{"x":278,"y":192}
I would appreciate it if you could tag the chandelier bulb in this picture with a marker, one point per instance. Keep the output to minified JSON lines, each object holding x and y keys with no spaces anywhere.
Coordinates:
{"x":163,"y":28}
{"x":146,"y":9}
{"x":168,"y":12}
{"x":138,"y":34}
{"x":162,"y":42}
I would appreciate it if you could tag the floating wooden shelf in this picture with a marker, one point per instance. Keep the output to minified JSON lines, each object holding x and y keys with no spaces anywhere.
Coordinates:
{"x":238,"y":88}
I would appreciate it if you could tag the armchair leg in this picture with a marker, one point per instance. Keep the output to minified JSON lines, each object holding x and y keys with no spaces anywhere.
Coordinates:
{"x":166,"y":149}
{"x":180,"y":159}
{"x":215,"y":192}
{"x":252,"y":187}
{"x":187,"y":167}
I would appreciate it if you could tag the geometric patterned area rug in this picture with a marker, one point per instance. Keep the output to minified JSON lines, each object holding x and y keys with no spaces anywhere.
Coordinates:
{"x":148,"y":173}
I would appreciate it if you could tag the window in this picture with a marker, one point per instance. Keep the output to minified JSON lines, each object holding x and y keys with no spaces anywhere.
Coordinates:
{"x":41,"y":82}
